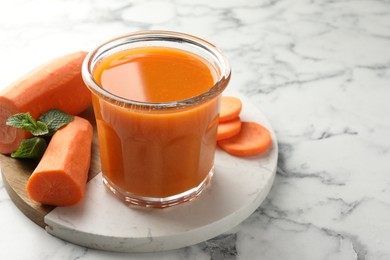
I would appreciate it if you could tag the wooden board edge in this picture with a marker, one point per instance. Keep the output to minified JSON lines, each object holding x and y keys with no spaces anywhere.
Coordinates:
{"x":22,"y":205}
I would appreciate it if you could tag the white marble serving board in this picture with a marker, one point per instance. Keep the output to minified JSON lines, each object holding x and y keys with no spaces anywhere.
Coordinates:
{"x":237,"y":189}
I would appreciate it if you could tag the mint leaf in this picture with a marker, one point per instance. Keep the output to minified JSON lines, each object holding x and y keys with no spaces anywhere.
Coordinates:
{"x":26,"y":122}
{"x":16,"y":120}
{"x":31,"y":148}
{"x":40,"y":129}
{"x":22,"y":121}
{"x":29,"y":120}
{"x":55,"y":119}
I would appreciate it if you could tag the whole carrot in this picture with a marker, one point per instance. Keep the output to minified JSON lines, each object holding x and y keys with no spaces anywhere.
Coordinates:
{"x":61,"y":175}
{"x":55,"y":85}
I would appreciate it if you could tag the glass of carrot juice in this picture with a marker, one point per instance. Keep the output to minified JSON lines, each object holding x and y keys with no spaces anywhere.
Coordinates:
{"x":156,"y":97}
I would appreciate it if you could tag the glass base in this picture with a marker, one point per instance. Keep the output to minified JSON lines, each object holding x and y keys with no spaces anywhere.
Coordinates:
{"x":152,"y":202}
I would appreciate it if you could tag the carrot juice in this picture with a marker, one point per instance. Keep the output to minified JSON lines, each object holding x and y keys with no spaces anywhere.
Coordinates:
{"x":157,"y":116}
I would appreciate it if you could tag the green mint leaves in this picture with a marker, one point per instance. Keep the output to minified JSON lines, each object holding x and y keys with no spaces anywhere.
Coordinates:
{"x":47,"y":124}
{"x":31,"y":148}
{"x":55,"y":119}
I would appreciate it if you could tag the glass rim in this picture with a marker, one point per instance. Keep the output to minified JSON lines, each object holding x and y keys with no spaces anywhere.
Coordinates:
{"x":223,"y":75}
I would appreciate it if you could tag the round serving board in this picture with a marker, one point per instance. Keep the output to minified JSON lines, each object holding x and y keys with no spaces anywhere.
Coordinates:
{"x":101,"y":221}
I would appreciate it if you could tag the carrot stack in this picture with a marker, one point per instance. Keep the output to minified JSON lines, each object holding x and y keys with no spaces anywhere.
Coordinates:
{"x":238,"y":137}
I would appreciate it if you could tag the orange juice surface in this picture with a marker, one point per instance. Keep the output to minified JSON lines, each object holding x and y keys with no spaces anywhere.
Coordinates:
{"x":155,"y":75}
{"x":156,"y":153}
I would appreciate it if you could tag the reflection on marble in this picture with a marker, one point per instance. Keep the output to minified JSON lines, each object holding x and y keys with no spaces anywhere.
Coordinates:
{"x":319,"y":70}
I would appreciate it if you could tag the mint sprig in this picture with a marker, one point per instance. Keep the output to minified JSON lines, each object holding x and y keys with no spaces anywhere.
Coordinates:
{"x":47,"y":124}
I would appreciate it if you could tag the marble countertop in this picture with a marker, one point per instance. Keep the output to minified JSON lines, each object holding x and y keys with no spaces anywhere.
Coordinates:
{"x":320,"y":72}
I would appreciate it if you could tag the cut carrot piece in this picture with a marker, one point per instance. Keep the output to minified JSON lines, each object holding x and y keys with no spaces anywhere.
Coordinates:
{"x":230,"y":108}
{"x":61,"y":175}
{"x":228,"y":129}
{"x":55,"y":85}
{"x":253,"y":139}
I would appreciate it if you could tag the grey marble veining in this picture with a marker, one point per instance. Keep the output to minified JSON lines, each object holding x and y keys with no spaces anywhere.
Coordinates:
{"x":319,"y":70}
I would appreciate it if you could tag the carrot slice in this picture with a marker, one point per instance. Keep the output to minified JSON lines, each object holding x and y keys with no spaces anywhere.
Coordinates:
{"x":55,"y":85}
{"x":253,"y":139}
{"x":61,"y":175}
{"x":230,"y":108}
{"x":228,"y":129}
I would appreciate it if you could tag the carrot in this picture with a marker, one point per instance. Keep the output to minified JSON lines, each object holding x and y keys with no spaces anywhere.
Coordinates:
{"x":228,"y":129}
{"x":253,"y":139}
{"x":55,"y":85}
{"x":230,"y":108}
{"x":61,"y":175}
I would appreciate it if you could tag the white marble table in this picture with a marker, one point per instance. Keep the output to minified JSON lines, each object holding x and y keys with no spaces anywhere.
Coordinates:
{"x":319,"y":70}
